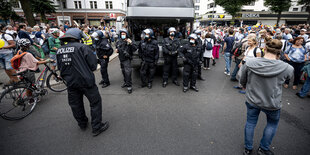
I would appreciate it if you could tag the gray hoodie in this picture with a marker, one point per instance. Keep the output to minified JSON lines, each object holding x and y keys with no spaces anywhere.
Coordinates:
{"x":263,"y":79}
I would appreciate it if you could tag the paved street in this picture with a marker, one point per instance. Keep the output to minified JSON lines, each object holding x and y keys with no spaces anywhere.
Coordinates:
{"x":157,"y":121}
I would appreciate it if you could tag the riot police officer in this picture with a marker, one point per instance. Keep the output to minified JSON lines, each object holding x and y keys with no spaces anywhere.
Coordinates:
{"x":149,"y":53}
{"x":170,"y":53}
{"x":200,"y":43}
{"x":190,"y":53}
{"x":76,"y":63}
{"x":125,"y":47}
{"x":104,"y":50}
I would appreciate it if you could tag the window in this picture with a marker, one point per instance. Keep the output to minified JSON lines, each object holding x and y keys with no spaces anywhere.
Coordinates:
{"x":197,"y":1}
{"x":64,"y":4}
{"x":196,"y":7}
{"x":78,"y":4}
{"x":211,"y":5}
{"x":108,"y":5}
{"x":15,"y":4}
{"x":295,"y":9}
{"x":93,"y":4}
{"x":251,"y":3}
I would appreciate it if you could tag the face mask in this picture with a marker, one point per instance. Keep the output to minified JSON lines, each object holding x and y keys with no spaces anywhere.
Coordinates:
{"x":172,"y":34}
{"x":198,"y":36}
{"x":192,"y":41}
{"x":147,"y":36}
{"x":123,"y":36}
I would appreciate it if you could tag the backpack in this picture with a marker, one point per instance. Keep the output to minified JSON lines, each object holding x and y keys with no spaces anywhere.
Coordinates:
{"x":237,"y":50}
{"x":16,"y":60}
{"x":45,"y":46}
{"x":209,"y":45}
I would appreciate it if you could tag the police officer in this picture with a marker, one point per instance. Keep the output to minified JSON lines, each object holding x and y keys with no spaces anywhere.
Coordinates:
{"x":76,"y":63}
{"x":200,"y":44}
{"x":125,"y":47}
{"x":149,"y":53}
{"x":104,"y":50}
{"x":170,"y":53}
{"x":190,"y":53}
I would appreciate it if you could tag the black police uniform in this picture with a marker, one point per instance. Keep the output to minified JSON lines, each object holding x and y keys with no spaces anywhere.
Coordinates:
{"x":191,"y":57}
{"x":201,"y":58}
{"x":170,"y":53}
{"x":76,"y":63}
{"x":103,"y":48}
{"x":149,"y":53}
{"x":125,"y":51}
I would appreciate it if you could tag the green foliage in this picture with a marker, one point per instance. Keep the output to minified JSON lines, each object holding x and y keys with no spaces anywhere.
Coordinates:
{"x":232,"y":7}
{"x":278,"y":6}
{"x":43,"y":7}
{"x":7,"y":12}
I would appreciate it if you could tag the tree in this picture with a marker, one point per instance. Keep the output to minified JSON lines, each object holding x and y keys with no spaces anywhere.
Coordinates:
{"x":232,"y":7}
{"x":278,"y":6}
{"x":306,"y":3}
{"x":43,"y":7}
{"x":7,"y":12}
{"x":27,"y":9}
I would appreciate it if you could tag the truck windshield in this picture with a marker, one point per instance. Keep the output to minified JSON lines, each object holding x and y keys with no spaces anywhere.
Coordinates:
{"x":161,"y":3}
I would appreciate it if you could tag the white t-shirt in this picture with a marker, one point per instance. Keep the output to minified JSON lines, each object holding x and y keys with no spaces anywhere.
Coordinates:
{"x":8,"y":38}
{"x":208,"y":53}
{"x":284,"y":44}
{"x":249,"y":53}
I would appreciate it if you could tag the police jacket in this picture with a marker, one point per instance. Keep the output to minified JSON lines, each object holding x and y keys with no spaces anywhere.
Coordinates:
{"x":191,"y":55}
{"x":170,"y":47}
{"x":125,"y":50}
{"x":103,"y":48}
{"x":76,"y":63}
{"x":149,"y":51}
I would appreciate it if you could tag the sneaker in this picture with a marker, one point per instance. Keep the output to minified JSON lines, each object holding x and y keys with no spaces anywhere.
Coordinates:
{"x":129,"y":89}
{"x":208,"y":68}
{"x":165,"y":84}
{"x":247,"y":152}
{"x":264,"y":152}
{"x":104,"y":127}
{"x":176,"y":83}
{"x":237,"y":87}
{"x":204,"y":68}
{"x":185,"y":89}
{"x":105,"y":85}
{"x":242,"y":92}
{"x":101,"y":82}
{"x":149,"y":85}
{"x":228,"y":74}
{"x":194,"y":88}
{"x":225,"y":73}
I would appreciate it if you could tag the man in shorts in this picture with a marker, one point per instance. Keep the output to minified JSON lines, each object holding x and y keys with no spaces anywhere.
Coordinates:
{"x":6,"y":54}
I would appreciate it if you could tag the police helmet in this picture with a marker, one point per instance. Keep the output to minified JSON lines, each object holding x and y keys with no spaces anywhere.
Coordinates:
{"x":198,"y":32}
{"x":150,"y":32}
{"x":125,"y":31}
{"x":171,"y":29}
{"x":23,"y":42}
{"x":97,"y":34}
{"x":72,"y":33}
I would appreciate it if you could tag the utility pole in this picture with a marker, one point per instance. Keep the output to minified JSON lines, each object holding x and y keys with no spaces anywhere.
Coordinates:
{"x":86,"y":20}
{"x":213,"y":13}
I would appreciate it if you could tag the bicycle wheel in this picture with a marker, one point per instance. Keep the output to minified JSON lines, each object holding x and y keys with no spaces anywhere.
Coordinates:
{"x":55,"y":83}
{"x":15,"y":104}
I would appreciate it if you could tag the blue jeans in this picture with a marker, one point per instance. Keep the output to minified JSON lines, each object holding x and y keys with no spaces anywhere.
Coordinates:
{"x":273,"y":117}
{"x":234,"y":73}
{"x":227,"y":57}
{"x":305,"y":88}
{"x":5,"y":61}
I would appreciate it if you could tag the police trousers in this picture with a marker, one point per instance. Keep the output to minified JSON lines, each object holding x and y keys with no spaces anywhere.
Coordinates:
{"x":147,"y":72}
{"x":126,"y":70}
{"x":171,"y":64}
{"x":75,"y":96}
{"x":190,"y":74}
{"x":104,"y":70}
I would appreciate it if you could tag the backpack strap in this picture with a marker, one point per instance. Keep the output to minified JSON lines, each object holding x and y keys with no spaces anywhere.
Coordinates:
{"x":254,"y":51}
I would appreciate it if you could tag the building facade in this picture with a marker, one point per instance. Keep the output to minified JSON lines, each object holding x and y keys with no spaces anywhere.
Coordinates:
{"x":92,"y":12}
{"x":256,"y":12}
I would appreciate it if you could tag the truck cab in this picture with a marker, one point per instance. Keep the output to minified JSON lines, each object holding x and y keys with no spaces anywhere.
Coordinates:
{"x":159,"y":15}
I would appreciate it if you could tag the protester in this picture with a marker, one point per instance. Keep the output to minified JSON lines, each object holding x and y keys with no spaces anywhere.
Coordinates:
{"x":306,"y":87}
{"x":263,"y":93}
{"x":228,"y":45}
{"x":296,"y":55}
{"x":207,"y":51}
{"x":54,"y":45}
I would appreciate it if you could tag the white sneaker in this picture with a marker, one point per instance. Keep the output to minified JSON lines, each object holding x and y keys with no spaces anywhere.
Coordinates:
{"x":225,"y":73}
{"x":228,"y":74}
{"x":208,"y":68}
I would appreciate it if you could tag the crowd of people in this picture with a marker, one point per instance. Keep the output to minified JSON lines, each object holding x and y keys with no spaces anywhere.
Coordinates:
{"x":266,"y":59}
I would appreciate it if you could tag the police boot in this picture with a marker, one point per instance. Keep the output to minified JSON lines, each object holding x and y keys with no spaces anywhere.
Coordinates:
{"x":176,"y":83}
{"x":200,"y":78}
{"x":195,"y":88}
{"x":101,"y":82}
{"x":149,"y":85}
{"x":105,"y":85}
{"x":129,"y":90}
{"x":185,"y":89}
{"x":124,"y":85}
{"x":165,"y":84}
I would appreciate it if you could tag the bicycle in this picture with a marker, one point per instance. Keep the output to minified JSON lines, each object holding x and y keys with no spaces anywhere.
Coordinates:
{"x":15,"y":101}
